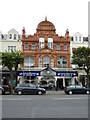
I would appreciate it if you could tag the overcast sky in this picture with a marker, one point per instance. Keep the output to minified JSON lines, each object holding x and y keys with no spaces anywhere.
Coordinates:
{"x":71,"y":14}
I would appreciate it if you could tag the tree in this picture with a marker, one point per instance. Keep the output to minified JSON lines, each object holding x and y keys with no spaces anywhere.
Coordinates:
{"x":18,"y":59}
{"x":11,"y":61}
{"x":81,"y":56}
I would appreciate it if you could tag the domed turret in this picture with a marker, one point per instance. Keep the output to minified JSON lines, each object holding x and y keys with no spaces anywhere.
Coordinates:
{"x":45,"y":26}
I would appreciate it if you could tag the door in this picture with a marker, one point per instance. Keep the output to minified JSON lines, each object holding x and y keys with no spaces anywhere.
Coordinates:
{"x":79,"y":89}
{"x":32,"y":89}
{"x":60,"y":83}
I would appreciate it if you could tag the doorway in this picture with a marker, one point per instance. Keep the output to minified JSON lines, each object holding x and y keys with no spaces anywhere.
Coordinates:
{"x":60,"y":83}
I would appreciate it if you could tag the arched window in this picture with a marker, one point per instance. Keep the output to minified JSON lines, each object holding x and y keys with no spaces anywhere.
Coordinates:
{"x":29,"y":61}
{"x":40,"y":61}
{"x":46,"y":61}
{"x":61,"y":62}
{"x":52,"y":62}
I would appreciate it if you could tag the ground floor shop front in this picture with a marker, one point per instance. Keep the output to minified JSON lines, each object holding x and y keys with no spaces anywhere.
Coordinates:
{"x":40,"y":76}
{"x":57,"y":77}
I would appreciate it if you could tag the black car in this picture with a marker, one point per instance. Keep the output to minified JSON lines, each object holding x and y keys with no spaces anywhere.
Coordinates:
{"x":4,"y":89}
{"x":76,"y":89}
{"x":47,"y":86}
{"x":28,"y":88}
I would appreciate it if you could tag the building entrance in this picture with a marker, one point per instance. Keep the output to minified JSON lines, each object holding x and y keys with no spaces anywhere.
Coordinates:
{"x":67,"y":81}
{"x":60,"y":83}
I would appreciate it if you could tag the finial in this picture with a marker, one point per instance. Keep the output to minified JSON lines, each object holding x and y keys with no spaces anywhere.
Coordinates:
{"x":45,"y":18}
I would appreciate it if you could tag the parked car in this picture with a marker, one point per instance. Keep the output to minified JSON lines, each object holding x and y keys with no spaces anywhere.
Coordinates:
{"x":29,"y":88}
{"x":76,"y":89}
{"x":4,"y":89}
{"x":47,"y":86}
{"x":1,"y":90}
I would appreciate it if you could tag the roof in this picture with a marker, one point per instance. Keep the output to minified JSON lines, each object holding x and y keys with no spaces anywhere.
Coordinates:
{"x":45,"y":26}
{"x":78,"y":34}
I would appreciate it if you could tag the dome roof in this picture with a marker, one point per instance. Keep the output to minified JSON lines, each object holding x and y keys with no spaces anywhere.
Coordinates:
{"x":45,"y":26}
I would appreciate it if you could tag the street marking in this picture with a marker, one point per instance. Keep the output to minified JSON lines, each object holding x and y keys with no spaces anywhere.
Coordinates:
{"x":16,"y":99}
{"x":68,"y":98}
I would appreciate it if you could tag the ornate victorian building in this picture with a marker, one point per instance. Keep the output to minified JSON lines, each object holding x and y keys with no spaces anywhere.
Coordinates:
{"x":45,"y":47}
{"x":47,"y":56}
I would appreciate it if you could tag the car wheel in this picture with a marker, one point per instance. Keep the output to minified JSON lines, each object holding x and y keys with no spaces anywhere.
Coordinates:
{"x":70,"y":92}
{"x":19,"y":92}
{"x":39,"y":92}
{"x":87,"y":92}
{"x":1,"y":92}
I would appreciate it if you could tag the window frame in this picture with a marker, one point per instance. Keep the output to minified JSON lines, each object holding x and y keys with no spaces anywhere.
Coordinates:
{"x":26,"y":47}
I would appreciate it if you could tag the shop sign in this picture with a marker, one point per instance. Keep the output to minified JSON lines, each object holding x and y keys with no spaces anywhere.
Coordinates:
{"x":29,"y":74}
{"x":71,"y":74}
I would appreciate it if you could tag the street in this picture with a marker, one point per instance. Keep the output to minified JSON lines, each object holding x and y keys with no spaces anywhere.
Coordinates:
{"x":45,"y":106}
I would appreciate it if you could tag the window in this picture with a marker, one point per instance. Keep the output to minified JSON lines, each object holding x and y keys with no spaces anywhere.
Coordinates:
{"x":26,"y":46}
{"x":46,"y":61}
{"x":29,"y":61}
{"x":10,"y":48}
{"x":78,"y":86}
{"x":41,"y":43}
{"x":50,"y":43}
{"x":40,"y":61}
{"x":61,"y":62}
{"x":10,"y":36}
{"x":65,"y":46}
{"x":15,"y":36}
{"x":76,"y":38}
{"x":79,"y":38}
{"x":58,"y":46}
{"x":52,"y":62}
{"x":33,"y":46}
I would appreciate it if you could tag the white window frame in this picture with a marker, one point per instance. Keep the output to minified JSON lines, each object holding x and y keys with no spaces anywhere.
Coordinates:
{"x":10,"y":48}
{"x":26,"y":46}
{"x":33,"y":45}
{"x":10,"y":36}
{"x":50,"y":42}
{"x":58,"y":46}
{"x":41,"y":42}
{"x":65,"y":46}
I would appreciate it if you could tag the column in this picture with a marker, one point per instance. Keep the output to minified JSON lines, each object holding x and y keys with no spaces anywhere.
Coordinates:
{"x":73,"y":80}
{"x":63,"y":81}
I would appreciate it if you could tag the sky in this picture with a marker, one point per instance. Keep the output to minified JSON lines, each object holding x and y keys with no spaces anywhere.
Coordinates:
{"x":64,"y":14}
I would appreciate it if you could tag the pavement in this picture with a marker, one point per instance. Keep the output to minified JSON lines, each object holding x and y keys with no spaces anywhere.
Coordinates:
{"x":54,"y":92}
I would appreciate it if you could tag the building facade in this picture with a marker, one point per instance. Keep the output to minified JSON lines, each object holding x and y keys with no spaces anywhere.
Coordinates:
{"x":47,"y":56}
{"x":10,"y":41}
{"x":46,"y":48}
{"x":76,"y":41}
